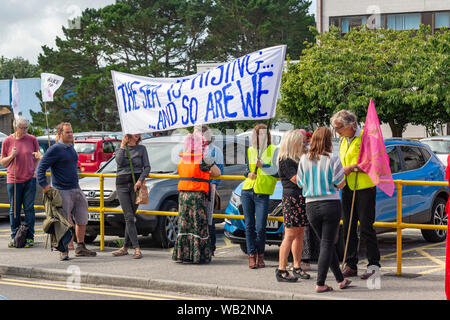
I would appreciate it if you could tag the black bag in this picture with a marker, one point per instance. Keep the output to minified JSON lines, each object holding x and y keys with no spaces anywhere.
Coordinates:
{"x":21,"y":236}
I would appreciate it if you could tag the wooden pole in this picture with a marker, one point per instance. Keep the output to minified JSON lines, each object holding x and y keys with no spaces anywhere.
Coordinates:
{"x":350,"y":222}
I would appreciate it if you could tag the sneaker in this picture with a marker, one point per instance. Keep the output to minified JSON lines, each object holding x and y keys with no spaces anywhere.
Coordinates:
{"x":11,"y":243}
{"x":29,"y":243}
{"x":82,"y":251}
{"x":63,"y":256}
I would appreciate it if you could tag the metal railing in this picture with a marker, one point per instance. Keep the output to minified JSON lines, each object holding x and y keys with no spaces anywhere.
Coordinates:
{"x":398,"y":225}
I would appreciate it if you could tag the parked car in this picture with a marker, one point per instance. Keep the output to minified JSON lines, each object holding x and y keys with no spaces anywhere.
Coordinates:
{"x":93,"y":151}
{"x":409,"y":160}
{"x":43,"y":146}
{"x":163,"y":194}
{"x":440,"y":146}
{"x":105,"y":134}
{"x":274,"y":134}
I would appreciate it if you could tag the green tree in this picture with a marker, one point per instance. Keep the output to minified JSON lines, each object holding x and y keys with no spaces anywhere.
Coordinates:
{"x":239,"y":27}
{"x":404,"y":72}
{"x":18,"y":67}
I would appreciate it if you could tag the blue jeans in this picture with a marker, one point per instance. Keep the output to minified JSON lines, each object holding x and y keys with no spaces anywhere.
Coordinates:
{"x":25,"y":194}
{"x":255,"y":208}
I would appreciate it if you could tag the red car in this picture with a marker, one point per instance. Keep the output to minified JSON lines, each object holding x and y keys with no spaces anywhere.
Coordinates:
{"x":92,"y":152}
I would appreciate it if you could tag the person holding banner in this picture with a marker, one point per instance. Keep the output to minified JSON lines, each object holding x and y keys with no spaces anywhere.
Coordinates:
{"x":293,"y":206}
{"x":261,"y":178}
{"x":321,"y":176}
{"x":130,"y":150}
{"x":193,"y":243}
{"x":216,"y":155}
{"x":24,"y":148}
{"x":345,"y":124}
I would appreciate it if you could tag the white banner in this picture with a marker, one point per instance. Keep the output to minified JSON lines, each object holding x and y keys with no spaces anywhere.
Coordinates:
{"x":49,"y":84}
{"x":15,"y":101}
{"x":244,"y":89}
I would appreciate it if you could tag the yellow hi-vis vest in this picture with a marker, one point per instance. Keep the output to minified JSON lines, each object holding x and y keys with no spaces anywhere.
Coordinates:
{"x":264,"y":183}
{"x":349,"y":156}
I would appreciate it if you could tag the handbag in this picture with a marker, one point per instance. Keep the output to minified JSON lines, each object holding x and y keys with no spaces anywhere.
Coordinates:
{"x":142,"y":192}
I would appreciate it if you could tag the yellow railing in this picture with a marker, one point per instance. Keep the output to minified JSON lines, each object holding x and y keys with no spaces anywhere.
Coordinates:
{"x":398,"y":225}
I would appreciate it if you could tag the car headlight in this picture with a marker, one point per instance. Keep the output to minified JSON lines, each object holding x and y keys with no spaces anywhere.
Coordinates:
{"x":235,"y":200}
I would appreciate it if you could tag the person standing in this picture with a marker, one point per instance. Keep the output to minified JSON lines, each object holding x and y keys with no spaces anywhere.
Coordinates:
{"x":126,"y":188}
{"x":261,"y":178}
{"x":193,"y":243}
{"x":62,"y":159}
{"x":320,"y":175}
{"x":293,"y":206}
{"x":345,"y":124}
{"x":24,"y":148}
{"x":216,"y":155}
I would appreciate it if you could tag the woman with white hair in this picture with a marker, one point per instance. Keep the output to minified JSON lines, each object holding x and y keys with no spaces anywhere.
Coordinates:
{"x":20,"y":154}
{"x":293,"y":206}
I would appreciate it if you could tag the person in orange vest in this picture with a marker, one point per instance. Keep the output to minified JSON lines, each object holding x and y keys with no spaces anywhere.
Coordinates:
{"x":193,"y":242}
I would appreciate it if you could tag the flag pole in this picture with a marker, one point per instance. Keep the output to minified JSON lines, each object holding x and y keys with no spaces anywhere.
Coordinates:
{"x":46,"y":120}
{"x":15,"y":192}
{"x":350,"y":222}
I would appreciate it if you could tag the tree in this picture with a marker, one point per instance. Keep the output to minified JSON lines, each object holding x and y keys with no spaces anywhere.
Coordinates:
{"x":18,"y":67}
{"x":239,"y":27}
{"x":404,"y":72}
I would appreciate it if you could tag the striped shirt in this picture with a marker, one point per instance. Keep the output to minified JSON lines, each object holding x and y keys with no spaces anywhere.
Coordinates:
{"x":319,"y":179}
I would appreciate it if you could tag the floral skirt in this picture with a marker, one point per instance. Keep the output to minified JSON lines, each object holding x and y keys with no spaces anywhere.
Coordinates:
{"x":193,"y":242}
{"x":294,"y":211}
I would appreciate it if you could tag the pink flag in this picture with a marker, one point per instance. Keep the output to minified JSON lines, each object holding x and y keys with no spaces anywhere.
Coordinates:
{"x":373,"y":158}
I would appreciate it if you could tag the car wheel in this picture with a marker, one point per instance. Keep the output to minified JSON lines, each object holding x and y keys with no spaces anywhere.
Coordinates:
{"x":90,"y":237}
{"x":167,"y":228}
{"x":438,"y":217}
{"x":243,"y":247}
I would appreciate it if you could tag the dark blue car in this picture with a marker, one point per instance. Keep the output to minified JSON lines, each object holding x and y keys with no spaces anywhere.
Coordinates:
{"x":409,"y":160}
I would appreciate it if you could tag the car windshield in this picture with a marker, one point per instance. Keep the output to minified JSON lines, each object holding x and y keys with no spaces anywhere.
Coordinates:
{"x":85,"y":147}
{"x":438,"y":146}
{"x":163,"y":157}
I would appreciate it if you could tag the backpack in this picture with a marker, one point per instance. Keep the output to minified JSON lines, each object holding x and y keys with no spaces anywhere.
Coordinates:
{"x":21,"y":236}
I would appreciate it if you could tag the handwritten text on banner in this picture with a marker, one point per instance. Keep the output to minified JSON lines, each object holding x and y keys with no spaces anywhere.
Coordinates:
{"x":244,"y":89}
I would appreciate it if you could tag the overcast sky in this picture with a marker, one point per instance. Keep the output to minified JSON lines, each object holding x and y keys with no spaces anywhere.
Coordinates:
{"x":27,"y":25}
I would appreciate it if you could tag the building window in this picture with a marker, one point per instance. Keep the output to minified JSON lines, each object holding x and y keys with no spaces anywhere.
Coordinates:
{"x":334,"y":22}
{"x":403,"y":21}
{"x":441,"y":19}
{"x":352,"y":22}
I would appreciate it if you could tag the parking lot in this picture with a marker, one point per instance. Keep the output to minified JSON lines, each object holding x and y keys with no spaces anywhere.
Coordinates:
{"x":422,"y":267}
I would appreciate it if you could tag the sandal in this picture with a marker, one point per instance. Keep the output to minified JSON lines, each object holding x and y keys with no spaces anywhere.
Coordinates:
{"x":137,"y":254}
{"x":299,"y":273}
{"x":327,"y":289}
{"x":346,"y":284}
{"x":283,"y":276}
{"x":120,"y":252}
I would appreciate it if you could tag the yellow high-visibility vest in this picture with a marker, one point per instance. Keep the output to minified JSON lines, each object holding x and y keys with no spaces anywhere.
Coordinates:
{"x":349,"y":156}
{"x":264,"y":183}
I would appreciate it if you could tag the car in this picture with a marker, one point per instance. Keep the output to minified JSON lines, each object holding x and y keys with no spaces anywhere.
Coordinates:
{"x":92,"y":152}
{"x":409,"y":160}
{"x":274,"y":134}
{"x":440,"y":145}
{"x":43,"y":146}
{"x":105,"y":134}
{"x":163,"y":154}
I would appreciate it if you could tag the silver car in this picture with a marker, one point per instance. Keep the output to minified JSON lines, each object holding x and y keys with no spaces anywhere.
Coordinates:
{"x":440,"y":145}
{"x":163,"y":153}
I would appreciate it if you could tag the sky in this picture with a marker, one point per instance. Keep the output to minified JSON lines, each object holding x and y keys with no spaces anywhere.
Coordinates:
{"x":27,"y":25}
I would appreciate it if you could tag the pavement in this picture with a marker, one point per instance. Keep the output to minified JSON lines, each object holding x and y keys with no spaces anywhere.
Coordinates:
{"x":226,"y":277}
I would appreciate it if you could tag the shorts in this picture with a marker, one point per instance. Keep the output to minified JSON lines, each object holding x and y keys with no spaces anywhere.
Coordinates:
{"x":75,"y":206}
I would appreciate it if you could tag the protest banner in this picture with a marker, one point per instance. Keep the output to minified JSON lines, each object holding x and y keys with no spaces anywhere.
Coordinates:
{"x":49,"y":84}
{"x":244,"y":89}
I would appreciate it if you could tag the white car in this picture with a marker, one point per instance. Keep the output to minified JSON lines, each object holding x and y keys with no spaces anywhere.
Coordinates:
{"x":275,"y":134}
{"x":440,"y":145}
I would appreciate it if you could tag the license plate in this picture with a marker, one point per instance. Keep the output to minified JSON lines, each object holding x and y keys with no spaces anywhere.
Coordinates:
{"x":94,"y":216}
{"x":272,"y":224}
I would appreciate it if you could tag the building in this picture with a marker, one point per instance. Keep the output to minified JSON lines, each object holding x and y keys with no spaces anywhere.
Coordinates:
{"x":395,"y":14}
{"x":28,"y":88}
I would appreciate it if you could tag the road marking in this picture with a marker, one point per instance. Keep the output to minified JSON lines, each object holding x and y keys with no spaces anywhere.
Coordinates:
{"x":91,"y":290}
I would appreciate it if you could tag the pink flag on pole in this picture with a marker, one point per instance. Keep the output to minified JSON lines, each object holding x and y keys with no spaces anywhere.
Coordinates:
{"x":373,"y":158}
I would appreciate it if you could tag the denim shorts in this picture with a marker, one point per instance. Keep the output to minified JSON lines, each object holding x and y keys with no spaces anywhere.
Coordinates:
{"x":75,"y":206}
